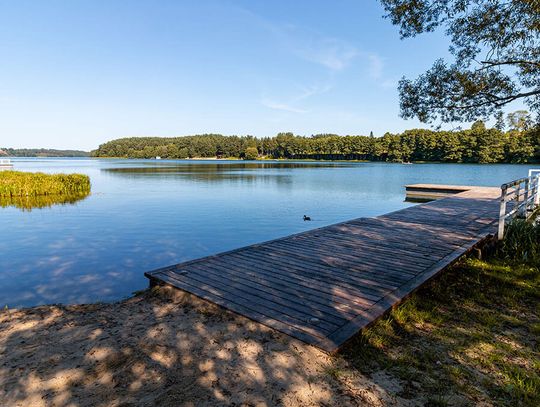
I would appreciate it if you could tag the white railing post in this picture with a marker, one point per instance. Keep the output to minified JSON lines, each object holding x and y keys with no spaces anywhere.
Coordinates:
{"x":525,"y":208}
{"x":522,"y":207}
{"x":534,"y":175}
{"x":502,"y":213}
{"x":536,"y":190}
{"x":517,"y":191}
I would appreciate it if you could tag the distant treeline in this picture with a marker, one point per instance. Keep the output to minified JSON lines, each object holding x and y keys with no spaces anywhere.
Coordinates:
{"x":41,"y":152}
{"x":477,"y":145}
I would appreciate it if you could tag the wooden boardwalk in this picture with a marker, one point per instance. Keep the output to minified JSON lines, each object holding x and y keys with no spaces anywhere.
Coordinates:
{"x":324,"y":285}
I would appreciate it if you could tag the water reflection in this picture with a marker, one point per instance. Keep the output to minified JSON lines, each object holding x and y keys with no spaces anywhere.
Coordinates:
{"x":27,"y":203}
{"x":146,"y":214}
{"x":209,"y":166}
{"x":279,"y":173}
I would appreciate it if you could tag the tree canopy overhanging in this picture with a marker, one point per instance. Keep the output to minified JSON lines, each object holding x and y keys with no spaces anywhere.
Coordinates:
{"x":496,"y":50}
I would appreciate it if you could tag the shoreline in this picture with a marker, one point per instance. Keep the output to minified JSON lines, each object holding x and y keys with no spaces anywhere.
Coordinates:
{"x":305,"y":160}
{"x":262,"y":160}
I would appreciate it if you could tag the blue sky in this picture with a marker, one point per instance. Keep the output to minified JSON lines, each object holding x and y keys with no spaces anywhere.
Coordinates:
{"x":74,"y":74}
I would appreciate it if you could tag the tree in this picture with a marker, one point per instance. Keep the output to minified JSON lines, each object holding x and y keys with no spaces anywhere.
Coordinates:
{"x":478,"y":125}
{"x":478,"y":144}
{"x":519,"y":120}
{"x":251,"y":153}
{"x":499,"y":124}
{"x":496,"y":47}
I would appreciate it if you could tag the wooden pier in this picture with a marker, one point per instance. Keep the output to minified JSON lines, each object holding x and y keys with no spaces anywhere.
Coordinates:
{"x":430,"y":192}
{"x":324,"y":285}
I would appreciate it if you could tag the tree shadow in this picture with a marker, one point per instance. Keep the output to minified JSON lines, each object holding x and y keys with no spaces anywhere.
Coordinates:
{"x":166,"y":347}
{"x":163,"y":347}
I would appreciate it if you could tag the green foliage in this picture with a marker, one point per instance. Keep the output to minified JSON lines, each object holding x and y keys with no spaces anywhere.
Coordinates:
{"x":251,"y":153}
{"x":27,"y":184}
{"x":42,"y":152}
{"x":478,"y":125}
{"x":478,"y":145}
{"x":520,"y":120}
{"x":521,"y":242}
{"x":495,"y":47}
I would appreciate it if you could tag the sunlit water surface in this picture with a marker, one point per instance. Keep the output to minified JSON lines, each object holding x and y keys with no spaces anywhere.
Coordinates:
{"x":145,"y":214}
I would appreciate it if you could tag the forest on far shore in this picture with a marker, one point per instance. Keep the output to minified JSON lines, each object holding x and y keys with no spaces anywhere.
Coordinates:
{"x":41,"y":152}
{"x":519,"y":144}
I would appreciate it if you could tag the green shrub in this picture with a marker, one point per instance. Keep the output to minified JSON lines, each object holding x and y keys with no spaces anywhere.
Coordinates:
{"x":251,"y":153}
{"x":28,"y":184}
{"x":521,"y":242}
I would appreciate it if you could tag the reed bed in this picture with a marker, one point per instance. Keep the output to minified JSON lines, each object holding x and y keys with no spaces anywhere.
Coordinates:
{"x":31,"y":184}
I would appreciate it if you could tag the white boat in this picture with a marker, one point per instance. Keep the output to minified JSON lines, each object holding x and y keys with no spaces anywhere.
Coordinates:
{"x":5,"y":163}
{"x":158,"y":157}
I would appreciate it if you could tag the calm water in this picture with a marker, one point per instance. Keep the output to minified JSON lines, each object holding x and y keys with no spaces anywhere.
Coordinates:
{"x":145,"y":214}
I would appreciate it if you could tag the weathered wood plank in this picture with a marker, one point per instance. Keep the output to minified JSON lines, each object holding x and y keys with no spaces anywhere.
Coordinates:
{"x":271,"y":309}
{"x":343,"y":264}
{"x":394,"y":298}
{"x":325,"y":274}
{"x":268,"y":292}
{"x":345,"y":295}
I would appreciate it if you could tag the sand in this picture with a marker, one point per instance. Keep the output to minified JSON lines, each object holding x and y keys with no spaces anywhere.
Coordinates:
{"x":169,"y":349}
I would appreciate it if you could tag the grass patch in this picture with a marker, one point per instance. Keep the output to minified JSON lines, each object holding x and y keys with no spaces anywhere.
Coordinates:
{"x":28,"y":184}
{"x":521,"y":242}
{"x":471,"y":335}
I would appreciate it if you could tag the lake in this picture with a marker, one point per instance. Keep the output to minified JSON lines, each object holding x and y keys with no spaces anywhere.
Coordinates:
{"x":146,"y":214}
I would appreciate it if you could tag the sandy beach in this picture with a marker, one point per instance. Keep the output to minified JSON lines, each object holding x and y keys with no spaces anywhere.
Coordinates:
{"x":169,"y":349}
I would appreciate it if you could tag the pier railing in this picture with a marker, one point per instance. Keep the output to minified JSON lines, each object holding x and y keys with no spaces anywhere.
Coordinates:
{"x":519,"y":199}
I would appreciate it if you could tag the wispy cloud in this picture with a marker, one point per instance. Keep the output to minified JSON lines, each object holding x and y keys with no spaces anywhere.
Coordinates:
{"x":275,"y":105}
{"x":289,"y":104}
{"x":307,"y":92}
{"x":335,"y":54}
{"x":375,"y":70}
{"x":331,"y":53}
{"x":375,"y":67}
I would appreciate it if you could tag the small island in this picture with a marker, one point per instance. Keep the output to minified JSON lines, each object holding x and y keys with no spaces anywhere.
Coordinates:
{"x":27,"y":190}
{"x":18,"y":183}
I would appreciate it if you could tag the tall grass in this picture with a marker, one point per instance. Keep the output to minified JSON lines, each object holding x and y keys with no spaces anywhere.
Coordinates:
{"x":521,"y":242}
{"x":28,"y":184}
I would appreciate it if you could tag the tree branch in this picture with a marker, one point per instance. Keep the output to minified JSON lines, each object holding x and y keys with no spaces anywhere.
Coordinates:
{"x":508,"y":62}
{"x":497,"y":101}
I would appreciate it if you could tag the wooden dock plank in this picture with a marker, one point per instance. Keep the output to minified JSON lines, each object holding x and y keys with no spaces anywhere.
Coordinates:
{"x":340,"y":293}
{"x":318,"y":300}
{"x":321,"y":272}
{"x":274,"y":293}
{"x":341,"y":264}
{"x":324,"y":285}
